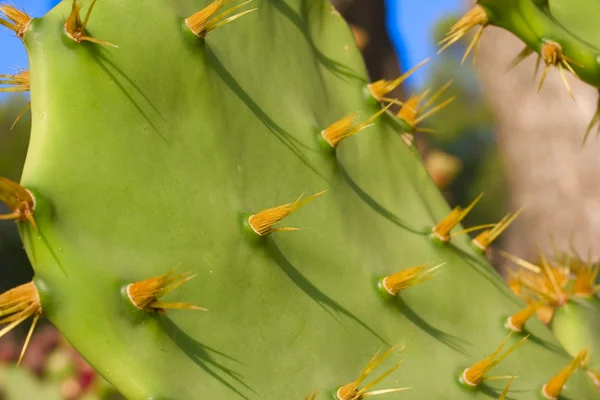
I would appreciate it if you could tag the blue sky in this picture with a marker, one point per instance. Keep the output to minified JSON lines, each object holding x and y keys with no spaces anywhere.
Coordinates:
{"x":409,"y":24}
{"x":12,"y":52}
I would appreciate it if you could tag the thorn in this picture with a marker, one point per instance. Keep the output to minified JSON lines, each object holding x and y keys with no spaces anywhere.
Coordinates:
{"x":595,"y":377}
{"x":520,"y":262}
{"x":548,"y":281}
{"x":16,"y":306}
{"x":474,"y":44}
{"x":523,"y":54}
{"x":75,"y":28}
{"x":475,"y":16}
{"x":593,"y":122}
{"x":352,"y":391}
{"x":407,"y":138}
{"x":585,"y":281}
{"x":427,"y":130}
{"x":19,"y":200}
{"x":554,"y":387}
{"x":263,"y":221}
{"x":393,"y":284}
{"x":475,"y":374}
{"x":311,"y":396}
{"x":408,"y":112}
{"x":552,"y":54}
{"x":348,"y":126}
{"x":29,"y":335}
{"x":505,"y":391}
{"x":206,"y":20}
{"x":516,"y":322}
{"x":556,"y":279}
{"x":382,"y":87}
{"x":442,"y":230}
{"x":390,"y":100}
{"x":145,"y":294}
{"x":15,"y":20}
{"x":472,"y":229}
{"x":18,"y":82}
{"x":536,"y":70}
{"x":514,"y":282}
{"x":412,"y":113}
{"x":27,"y":107}
{"x":487,"y":237}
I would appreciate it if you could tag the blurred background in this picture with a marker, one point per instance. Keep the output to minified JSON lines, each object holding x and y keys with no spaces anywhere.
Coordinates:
{"x":500,"y":137}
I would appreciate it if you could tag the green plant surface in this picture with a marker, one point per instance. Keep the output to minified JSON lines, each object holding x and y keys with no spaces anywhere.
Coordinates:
{"x":535,"y":24}
{"x":147,"y":156}
{"x":578,"y":17}
{"x":576,"y":326}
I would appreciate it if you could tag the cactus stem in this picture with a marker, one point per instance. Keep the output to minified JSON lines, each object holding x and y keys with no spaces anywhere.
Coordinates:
{"x":206,"y":20}
{"x":352,"y":390}
{"x":382,"y":87}
{"x":393,"y":284}
{"x":507,"y":387}
{"x":553,"y":388}
{"x":487,"y":237}
{"x":516,"y":322}
{"x":17,"y":305}
{"x":19,"y":200}
{"x":412,"y":113}
{"x":475,"y":374}
{"x":552,"y":54}
{"x":18,"y":82}
{"x":475,"y":16}
{"x":17,"y":21}
{"x":348,"y":126}
{"x":263,"y":221}
{"x":442,"y":230}
{"x":145,"y":294}
{"x":75,"y":27}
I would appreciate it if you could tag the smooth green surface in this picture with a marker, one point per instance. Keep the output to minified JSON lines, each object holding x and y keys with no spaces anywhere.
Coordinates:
{"x":580,"y":17}
{"x":145,"y":156}
{"x":577,"y":326}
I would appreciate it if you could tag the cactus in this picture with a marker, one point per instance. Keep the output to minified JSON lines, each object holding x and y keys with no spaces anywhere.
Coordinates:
{"x":562,"y":33}
{"x":183,"y":135}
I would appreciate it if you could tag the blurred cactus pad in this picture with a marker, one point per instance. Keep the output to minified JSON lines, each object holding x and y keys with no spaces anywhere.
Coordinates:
{"x":174,"y":140}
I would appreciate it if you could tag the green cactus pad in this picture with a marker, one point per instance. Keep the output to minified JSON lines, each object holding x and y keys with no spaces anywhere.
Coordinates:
{"x":146,"y":156}
{"x":576,"y":325}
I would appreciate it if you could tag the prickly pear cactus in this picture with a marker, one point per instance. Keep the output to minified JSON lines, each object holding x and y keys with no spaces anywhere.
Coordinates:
{"x":564,"y":34}
{"x":183,"y":134}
